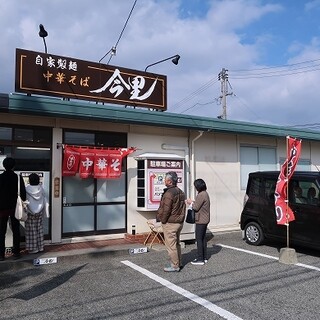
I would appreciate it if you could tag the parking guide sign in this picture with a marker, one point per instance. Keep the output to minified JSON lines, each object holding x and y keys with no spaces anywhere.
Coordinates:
{"x":41,"y":261}
{"x":138,"y":250}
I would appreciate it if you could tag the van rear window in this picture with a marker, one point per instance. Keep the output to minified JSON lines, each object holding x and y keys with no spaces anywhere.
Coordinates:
{"x":255,"y":186}
{"x":304,"y":192}
{"x":270,"y":187}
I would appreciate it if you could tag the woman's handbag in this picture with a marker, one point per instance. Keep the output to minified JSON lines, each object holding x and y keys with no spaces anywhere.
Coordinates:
{"x":190,"y":216}
{"x":46,"y":210}
{"x":20,"y":212}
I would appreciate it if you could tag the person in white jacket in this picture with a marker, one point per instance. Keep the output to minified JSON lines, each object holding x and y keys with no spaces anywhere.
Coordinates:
{"x":37,"y":208}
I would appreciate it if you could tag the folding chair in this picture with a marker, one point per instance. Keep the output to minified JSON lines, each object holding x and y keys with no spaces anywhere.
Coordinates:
{"x":155,"y":231}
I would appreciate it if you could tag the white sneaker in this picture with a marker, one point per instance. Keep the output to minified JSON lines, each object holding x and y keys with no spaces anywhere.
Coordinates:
{"x":171,"y":269}
{"x":197,"y":262}
{"x":205,"y":260}
{"x":34,"y":251}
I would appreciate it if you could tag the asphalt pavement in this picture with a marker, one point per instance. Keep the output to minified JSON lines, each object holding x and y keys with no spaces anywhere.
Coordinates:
{"x":238,"y":282}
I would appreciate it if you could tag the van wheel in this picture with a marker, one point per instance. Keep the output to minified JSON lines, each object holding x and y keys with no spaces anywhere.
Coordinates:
{"x":253,"y":233}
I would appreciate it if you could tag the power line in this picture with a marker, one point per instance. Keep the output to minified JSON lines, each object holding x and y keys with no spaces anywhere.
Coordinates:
{"x":246,"y":105}
{"x":195,"y":93}
{"x":274,"y":74}
{"x":200,"y":104}
{"x":301,"y":67}
{"x":277,"y":67}
{"x":275,"y":71}
{"x":113,"y":50}
{"x":125,"y":25}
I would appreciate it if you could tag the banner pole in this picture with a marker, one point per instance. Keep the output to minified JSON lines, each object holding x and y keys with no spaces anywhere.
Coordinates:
{"x":287,"y":255}
{"x":287,"y":195}
{"x":287,"y":235}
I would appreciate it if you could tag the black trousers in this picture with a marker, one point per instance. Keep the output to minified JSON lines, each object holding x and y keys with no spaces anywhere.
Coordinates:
{"x":15,"y":225}
{"x":201,"y":241}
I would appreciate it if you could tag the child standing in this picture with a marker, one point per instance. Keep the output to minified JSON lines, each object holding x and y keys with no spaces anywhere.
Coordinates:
{"x":37,"y":207}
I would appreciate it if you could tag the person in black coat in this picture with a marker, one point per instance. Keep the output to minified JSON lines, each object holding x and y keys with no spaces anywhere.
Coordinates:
{"x":8,"y":200}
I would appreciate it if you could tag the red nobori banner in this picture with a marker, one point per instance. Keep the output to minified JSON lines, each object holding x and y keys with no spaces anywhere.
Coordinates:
{"x":284,"y":213}
{"x":53,"y":75}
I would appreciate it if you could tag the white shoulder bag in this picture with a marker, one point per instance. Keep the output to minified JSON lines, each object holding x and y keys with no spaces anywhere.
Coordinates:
{"x":20,"y":212}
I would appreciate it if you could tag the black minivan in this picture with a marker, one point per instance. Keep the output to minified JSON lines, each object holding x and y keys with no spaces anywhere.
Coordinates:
{"x":258,"y":218}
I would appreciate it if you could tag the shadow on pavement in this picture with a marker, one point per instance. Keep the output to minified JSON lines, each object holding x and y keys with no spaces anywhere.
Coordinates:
{"x":46,"y":286}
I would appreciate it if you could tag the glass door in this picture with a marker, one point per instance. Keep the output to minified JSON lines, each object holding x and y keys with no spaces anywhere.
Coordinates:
{"x":94,"y":206}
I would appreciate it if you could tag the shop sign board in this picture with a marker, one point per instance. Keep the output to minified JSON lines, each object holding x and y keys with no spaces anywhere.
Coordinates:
{"x":54,"y":75}
{"x":156,"y":171}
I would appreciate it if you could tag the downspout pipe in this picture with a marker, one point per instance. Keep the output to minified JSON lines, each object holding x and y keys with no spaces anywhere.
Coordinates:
{"x":165,"y":146}
{"x":192,"y":163}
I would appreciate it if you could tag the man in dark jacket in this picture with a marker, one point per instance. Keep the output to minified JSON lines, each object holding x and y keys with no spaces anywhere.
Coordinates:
{"x":8,"y":200}
{"x":171,"y":213}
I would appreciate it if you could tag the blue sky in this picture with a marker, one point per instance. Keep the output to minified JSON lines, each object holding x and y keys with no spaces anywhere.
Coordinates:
{"x":294,"y":23}
{"x":250,"y":38}
{"x":287,"y":23}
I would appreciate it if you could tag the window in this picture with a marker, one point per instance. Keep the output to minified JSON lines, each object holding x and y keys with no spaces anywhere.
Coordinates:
{"x":98,"y":139}
{"x":255,"y":187}
{"x":79,"y":138}
{"x":5,"y":133}
{"x":303,"y":164}
{"x":30,"y":146}
{"x":141,"y":201}
{"x":304,"y":192}
{"x":256,"y":159}
{"x":270,"y":188}
{"x":35,"y":135}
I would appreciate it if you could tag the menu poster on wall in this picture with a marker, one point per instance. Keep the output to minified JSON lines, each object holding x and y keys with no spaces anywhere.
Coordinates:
{"x":156,"y":171}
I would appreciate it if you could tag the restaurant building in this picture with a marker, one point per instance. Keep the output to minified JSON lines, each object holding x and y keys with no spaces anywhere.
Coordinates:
{"x":55,"y":136}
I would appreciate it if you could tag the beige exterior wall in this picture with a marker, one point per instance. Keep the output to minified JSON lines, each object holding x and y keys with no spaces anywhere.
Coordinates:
{"x":315,"y":155}
{"x":147,"y":139}
{"x":209,"y":155}
{"x":215,"y":157}
{"x":216,"y":162}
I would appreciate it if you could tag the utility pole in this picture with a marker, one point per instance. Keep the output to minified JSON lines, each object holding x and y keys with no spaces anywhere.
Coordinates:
{"x":223,"y":78}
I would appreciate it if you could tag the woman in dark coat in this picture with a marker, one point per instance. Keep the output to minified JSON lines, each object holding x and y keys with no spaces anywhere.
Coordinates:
{"x":8,"y":200}
{"x":201,"y":206}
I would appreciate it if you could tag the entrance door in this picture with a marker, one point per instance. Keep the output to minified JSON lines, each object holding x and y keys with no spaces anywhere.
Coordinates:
{"x":94,"y":206}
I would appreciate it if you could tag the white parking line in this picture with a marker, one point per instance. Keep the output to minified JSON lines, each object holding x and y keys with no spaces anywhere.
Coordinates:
{"x":247,"y":251}
{"x":306,"y":266}
{"x":203,"y":302}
